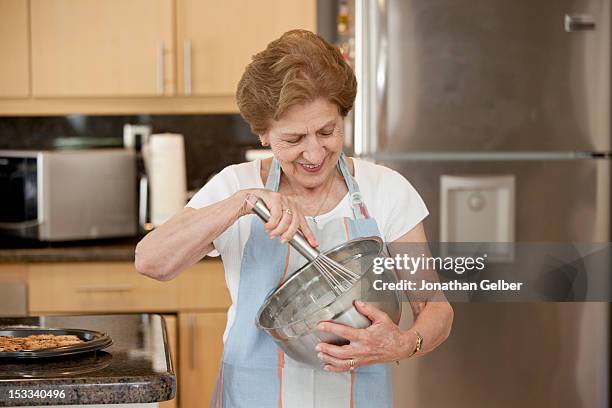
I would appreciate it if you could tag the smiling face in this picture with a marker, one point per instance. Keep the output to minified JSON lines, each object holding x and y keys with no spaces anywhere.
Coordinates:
{"x":307,"y":142}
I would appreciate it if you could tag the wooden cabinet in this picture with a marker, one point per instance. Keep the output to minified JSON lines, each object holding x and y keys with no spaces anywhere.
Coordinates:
{"x":201,"y":345}
{"x":216,"y":39}
{"x":14,"y":49}
{"x":134,"y":56}
{"x":203,"y":287}
{"x":102,"y":48}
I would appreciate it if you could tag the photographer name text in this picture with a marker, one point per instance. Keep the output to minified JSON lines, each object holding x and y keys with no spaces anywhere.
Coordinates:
{"x":454,"y":285}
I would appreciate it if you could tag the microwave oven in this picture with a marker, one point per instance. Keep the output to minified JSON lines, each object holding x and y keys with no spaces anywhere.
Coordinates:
{"x":65,"y":195}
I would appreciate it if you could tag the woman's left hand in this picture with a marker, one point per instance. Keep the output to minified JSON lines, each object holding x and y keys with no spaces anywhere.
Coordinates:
{"x":383,"y":341}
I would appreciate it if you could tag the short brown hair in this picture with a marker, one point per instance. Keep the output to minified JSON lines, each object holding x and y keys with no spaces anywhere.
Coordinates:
{"x":297,"y":68}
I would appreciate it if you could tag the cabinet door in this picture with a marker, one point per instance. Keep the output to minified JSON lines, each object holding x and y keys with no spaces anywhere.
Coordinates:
{"x":14,"y":50}
{"x":102,"y":48}
{"x":201,"y":348}
{"x":216,"y":39}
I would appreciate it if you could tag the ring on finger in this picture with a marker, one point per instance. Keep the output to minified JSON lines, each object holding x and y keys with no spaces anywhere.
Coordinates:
{"x":288,"y":211}
{"x":352,"y":364}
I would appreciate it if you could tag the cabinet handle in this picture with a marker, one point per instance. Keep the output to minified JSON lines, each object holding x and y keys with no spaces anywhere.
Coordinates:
{"x":192,"y":341}
{"x":579,"y":22}
{"x":118,"y":287}
{"x":160,"y":69}
{"x":187,"y":67}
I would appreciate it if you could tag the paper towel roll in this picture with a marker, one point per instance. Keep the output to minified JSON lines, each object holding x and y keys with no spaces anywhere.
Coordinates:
{"x":165,"y":161}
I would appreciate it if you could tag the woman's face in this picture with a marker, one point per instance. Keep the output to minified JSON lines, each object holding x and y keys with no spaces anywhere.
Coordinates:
{"x":307,"y":141}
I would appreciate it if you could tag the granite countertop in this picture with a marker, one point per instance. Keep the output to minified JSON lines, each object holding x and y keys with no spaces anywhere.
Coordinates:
{"x":115,"y":250}
{"x":135,"y":369}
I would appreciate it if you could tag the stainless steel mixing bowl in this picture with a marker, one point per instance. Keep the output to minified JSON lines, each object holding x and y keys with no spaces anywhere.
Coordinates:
{"x":291,"y":313}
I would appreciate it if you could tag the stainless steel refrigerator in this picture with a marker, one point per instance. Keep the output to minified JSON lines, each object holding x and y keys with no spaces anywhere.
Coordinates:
{"x":498,"y":112}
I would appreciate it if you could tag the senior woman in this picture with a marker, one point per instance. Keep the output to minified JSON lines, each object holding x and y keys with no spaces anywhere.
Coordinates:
{"x":295,"y":95}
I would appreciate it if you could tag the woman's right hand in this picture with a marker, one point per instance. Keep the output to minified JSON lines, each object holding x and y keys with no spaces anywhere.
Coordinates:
{"x":286,"y":215}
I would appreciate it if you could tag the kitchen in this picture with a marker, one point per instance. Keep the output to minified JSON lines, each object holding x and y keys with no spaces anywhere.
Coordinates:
{"x":464,"y":119}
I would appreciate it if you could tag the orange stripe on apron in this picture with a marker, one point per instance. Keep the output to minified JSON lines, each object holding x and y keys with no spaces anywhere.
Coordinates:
{"x":353,"y":373}
{"x":280,"y":353}
{"x":281,"y":365}
{"x":352,"y":384}
{"x":220,"y":388}
{"x":282,"y":278}
{"x":346,"y":228}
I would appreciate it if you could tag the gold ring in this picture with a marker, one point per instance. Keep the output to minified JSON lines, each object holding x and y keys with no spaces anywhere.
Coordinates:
{"x":352,"y":364}
{"x":288,"y":211}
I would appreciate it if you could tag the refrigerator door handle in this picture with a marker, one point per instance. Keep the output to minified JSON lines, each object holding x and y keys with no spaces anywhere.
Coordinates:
{"x":371,"y":62}
{"x":382,"y":63}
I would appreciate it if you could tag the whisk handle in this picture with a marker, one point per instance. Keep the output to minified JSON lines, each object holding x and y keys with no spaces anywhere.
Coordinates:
{"x":298,"y":241}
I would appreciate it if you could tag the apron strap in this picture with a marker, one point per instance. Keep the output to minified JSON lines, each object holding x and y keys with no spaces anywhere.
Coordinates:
{"x":357,"y":205}
{"x":274,"y":176}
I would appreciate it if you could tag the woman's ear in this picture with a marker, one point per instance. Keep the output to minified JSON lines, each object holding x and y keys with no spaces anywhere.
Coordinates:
{"x":264,"y":139}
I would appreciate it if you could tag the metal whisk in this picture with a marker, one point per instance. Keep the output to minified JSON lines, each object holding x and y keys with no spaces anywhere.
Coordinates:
{"x":339,"y":278}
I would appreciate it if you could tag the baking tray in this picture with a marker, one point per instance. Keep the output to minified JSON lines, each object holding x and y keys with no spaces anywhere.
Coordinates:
{"x":55,"y":367}
{"x":93,"y":341}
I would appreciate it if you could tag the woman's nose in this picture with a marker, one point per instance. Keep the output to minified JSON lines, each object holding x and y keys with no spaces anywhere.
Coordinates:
{"x":314,"y":152}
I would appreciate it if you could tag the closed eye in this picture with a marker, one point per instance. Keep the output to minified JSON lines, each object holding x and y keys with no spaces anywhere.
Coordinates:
{"x":326,"y":132}
{"x":294,"y":140}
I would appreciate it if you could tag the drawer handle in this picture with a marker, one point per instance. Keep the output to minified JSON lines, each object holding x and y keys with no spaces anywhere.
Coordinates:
{"x":161,"y":75}
{"x":119,"y":287}
{"x":187,"y":67}
{"x":192,"y":342}
{"x":579,"y":22}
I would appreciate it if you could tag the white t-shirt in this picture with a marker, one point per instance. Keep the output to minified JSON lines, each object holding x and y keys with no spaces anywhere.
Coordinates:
{"x":388,"y":196}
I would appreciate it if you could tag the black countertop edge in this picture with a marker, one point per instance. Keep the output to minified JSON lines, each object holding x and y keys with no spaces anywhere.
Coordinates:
{"x":103,"y":250}
{"x":111,"y":250}
{"x":85,"y":254}
{"x":126,"y":390}
{"x":65,"y":255}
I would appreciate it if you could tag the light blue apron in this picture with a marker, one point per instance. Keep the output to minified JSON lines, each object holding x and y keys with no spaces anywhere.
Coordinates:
{"x":255,"y":373}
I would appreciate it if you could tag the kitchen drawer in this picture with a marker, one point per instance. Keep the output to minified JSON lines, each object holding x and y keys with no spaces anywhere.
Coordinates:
{"x":117,"y":287}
